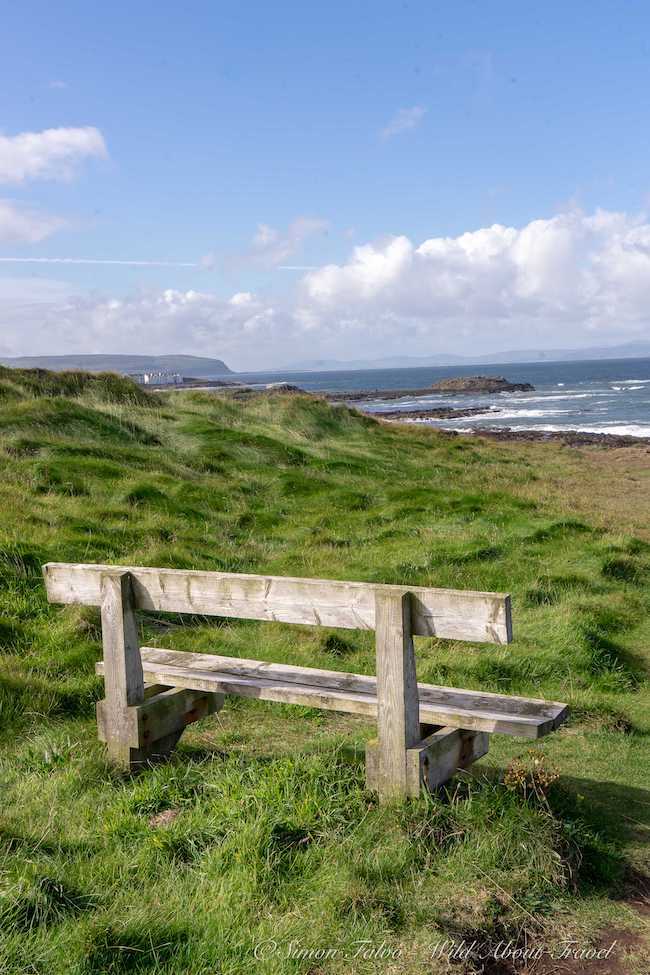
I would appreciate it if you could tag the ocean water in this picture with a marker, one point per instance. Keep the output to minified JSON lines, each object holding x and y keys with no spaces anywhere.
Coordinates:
{"x":599,"y":396}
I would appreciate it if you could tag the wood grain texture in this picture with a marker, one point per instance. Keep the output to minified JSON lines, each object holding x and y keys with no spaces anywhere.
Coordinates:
{"x":398,"y":723}
{"x":162,"y":714}
{"x":352,"y":693}
{"x":123,"y":677}
{"x":446,"y":613}
{"x":434,"y":760}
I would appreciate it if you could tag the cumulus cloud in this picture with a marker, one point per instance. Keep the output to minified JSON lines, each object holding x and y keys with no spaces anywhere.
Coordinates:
{"x":270,"y":246}
{"x":567,"y":280}
{"x":579,"y":272}
{"x":403,"y":120}
{"x":52,"y":154}
{"x":25,"y":225}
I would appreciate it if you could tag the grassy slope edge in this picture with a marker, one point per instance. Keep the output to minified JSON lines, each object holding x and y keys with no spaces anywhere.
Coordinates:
{"x":268,"y":832}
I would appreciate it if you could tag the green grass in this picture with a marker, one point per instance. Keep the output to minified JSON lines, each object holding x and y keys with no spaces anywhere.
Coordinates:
{"x":272,"y":834}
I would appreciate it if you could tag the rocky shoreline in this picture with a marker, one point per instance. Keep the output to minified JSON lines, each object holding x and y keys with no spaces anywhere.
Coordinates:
{"x":436,"y":413}
{"x":570,"y":438}
{"x":456,"y":385}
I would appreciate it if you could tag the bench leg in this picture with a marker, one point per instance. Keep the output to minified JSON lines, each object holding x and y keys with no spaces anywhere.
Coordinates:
{"x":432,"y":761}
{"x":150,"y":731}
{"x":123,"y":678}
{"x":138,"y":728}
{"x":398,"y":722}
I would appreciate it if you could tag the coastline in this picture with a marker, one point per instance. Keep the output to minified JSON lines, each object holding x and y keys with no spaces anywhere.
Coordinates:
{"x":569,"y":438}
{"x":361,"y":399}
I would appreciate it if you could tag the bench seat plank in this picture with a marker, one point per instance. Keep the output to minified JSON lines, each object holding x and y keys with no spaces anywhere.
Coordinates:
{"x":352,"y":693}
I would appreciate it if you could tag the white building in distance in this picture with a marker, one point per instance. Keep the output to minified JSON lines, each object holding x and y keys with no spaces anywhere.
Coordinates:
{"x":156,"y":378}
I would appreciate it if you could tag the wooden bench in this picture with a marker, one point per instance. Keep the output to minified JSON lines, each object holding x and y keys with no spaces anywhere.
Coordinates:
{"x":425,"y":732}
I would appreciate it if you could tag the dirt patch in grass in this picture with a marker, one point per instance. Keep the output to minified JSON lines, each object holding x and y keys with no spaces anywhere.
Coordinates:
{"x":615,"y":946}
{"x":163,"y":818}
{"x":637,"y":892}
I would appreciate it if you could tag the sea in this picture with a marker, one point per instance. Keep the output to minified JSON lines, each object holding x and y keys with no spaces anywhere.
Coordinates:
{"x":599,"y":396}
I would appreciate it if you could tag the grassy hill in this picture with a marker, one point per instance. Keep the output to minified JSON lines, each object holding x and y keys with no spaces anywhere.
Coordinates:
{"x":259,"y":829}
{"x":187,"y":365}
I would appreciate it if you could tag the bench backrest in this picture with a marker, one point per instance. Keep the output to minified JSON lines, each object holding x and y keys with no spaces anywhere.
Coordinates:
{"x":484,"y":617}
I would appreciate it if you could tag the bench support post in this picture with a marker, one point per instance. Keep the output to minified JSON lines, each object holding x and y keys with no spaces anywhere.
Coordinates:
{"x":398,"y":720}
{"x":408,"y":757}
{"x":123,"y":678}
{"x":138,"y":728}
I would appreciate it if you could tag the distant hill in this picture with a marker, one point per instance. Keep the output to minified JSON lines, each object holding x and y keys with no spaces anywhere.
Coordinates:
{"x":630,"y":350}
{"x":186,"y":365}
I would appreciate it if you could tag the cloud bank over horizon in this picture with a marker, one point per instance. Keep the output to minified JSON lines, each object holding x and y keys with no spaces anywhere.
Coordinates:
{"x":572,"y":279}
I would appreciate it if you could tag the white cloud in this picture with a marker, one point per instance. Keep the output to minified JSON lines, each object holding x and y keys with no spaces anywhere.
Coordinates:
{"x":20,"y":224}
{"x":271,"y":246}
{"x":403,"y":120}
{"x":564,"y":277}
{"x":573,"y":279}
{"x":51,"y":154}
{"x":58,"y":84}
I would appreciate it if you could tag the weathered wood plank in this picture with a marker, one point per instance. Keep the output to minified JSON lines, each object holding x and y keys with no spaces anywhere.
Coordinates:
{"x":484,"y":700}
{"x":398,"y":725}
{"x":434,"y":760}
{"x":446,"y":613}
{"x":123,"y":677}
{"x":174,"y":709}
{"x":352,"y":693}
{"x":162,"y":714}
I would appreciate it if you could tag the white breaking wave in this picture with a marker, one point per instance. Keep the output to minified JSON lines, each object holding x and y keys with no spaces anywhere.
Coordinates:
{"x":515,"y":414}
{"x":555,"y":396}
{"x":620,"y":430}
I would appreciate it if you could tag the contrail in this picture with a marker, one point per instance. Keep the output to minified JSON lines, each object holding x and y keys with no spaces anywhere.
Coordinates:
{"x":92,"y":260}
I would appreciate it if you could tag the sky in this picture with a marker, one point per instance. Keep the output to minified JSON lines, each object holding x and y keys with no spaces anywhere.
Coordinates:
{"x":274,"y":182}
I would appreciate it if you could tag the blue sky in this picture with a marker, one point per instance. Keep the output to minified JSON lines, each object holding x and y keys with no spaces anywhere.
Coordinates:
{"x":329,"y":127}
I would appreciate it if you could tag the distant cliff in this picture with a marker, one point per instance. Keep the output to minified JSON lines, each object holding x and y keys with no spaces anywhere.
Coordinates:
{"x":186,"y":365}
